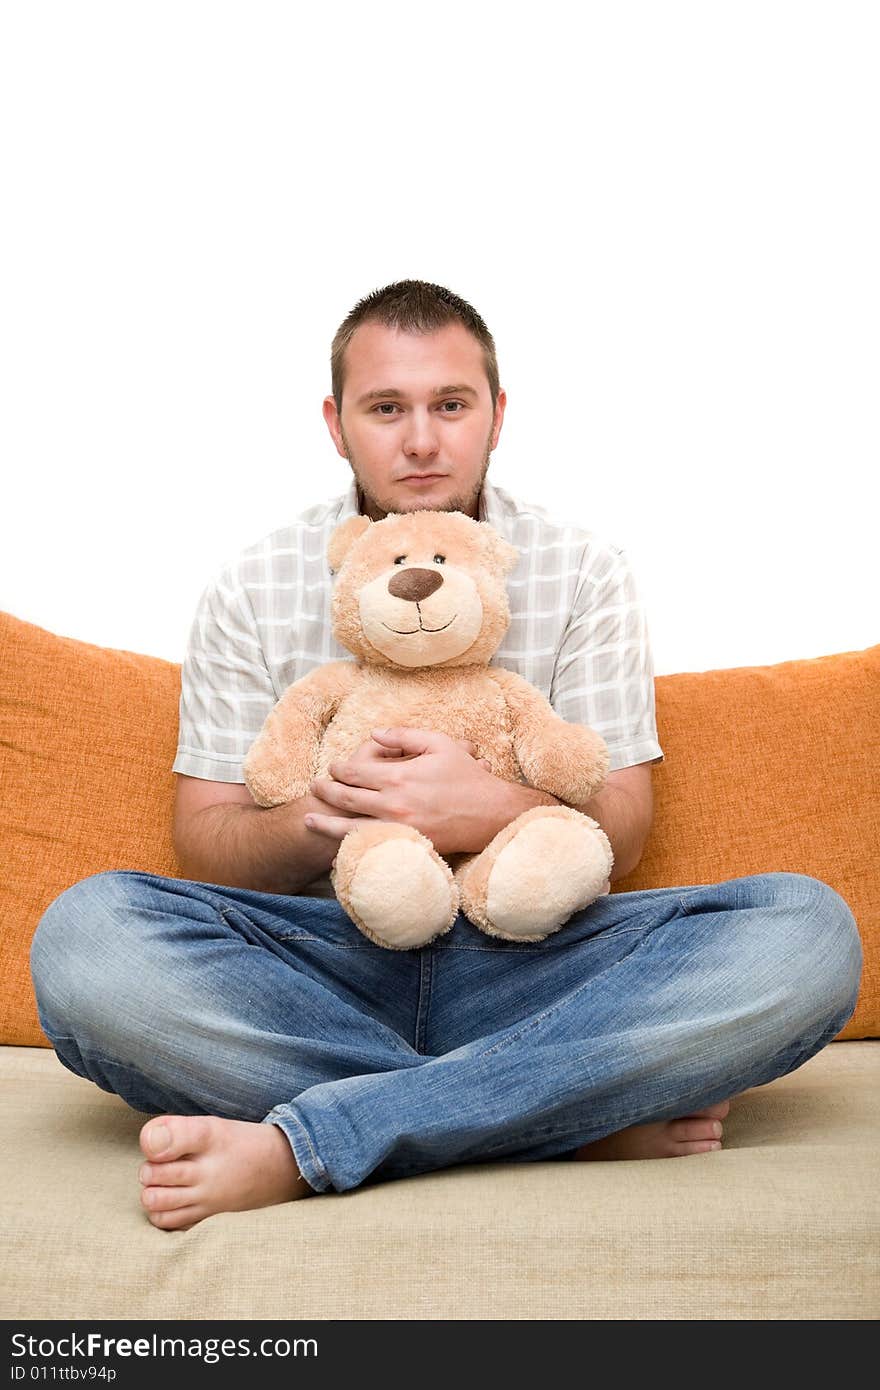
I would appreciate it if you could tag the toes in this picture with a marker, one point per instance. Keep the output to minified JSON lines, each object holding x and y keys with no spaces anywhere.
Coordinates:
{"x":166,"y":1174}
{"x":155,"y":1136}
{"x":166,"y":1199}
{"x":695,"y":1130}
{"x":179,"y":1220}
{"x":171,"y":1136}
{"x":703,"y":1146}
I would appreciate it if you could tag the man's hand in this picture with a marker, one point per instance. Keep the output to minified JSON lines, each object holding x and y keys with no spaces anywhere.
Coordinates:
{"x":413,"y":777}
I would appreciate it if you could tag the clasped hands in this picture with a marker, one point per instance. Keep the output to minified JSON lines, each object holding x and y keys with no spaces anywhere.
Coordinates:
{"x":415,"y":777}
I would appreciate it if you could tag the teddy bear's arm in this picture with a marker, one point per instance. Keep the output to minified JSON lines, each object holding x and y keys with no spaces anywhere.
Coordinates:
{"x":568,"y":760}
{"x":280,"y":763}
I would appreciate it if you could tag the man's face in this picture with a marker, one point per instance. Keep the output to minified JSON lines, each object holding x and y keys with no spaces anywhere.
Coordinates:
{"x":416,"y":424}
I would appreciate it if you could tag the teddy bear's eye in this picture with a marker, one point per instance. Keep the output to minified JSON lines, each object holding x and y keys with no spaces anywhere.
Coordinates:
{"x":439,"y":559}
{"x":400,"y":559}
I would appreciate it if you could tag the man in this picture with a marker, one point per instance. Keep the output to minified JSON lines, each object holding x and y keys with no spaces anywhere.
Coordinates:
{"x":284,"y":1052}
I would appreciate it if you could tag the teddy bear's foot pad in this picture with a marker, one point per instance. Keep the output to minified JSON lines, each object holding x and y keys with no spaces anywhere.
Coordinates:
{"x":398,"y":890}
{"x":550,"y":869}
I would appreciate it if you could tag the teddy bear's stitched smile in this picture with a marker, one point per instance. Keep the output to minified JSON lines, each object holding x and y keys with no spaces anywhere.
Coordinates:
{"x":409,"y":632}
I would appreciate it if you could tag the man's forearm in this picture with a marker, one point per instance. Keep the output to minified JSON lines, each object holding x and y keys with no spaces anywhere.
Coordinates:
{"x":268,"y":849}
{"x":613,"y":808}
{"x":272,"y":851}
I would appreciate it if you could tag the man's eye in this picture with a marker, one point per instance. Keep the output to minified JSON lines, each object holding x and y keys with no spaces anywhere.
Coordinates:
{"x":439,"y":559}
{"x":400,"y":559}
{"x":387,"y":408}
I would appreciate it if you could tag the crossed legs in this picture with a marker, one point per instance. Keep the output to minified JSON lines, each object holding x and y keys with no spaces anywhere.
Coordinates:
{"x":274,"y":1046}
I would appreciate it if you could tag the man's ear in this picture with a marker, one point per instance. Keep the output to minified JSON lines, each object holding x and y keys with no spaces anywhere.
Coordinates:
{"x":343,"y":538}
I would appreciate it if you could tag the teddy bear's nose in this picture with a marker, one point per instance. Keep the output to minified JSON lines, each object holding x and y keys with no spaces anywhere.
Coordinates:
{"x":414,"y":584}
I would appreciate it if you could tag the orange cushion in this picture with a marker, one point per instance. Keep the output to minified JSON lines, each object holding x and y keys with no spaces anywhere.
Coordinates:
{"x":770,"y":769}
{"x":87,"y":739}
{"x":767,"y":768}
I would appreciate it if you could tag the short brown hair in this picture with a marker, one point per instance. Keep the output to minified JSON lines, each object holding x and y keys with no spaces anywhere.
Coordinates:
{"x":413,"y":306}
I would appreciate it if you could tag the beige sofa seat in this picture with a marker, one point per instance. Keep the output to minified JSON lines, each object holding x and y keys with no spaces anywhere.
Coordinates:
{"x":781,"y":1223}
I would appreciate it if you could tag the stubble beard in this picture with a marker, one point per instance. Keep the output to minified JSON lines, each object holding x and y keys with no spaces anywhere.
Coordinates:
{"x":376,"y":507}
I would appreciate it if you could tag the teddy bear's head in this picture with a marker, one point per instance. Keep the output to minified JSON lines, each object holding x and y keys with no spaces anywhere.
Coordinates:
{"x":420,"y":589}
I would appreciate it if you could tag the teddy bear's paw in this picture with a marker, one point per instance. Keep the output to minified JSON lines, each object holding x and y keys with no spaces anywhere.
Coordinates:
{"x":394,"y":885}
{"x":270,"y":783}
{"x":273,"y":791}
{"x":546,"y":865}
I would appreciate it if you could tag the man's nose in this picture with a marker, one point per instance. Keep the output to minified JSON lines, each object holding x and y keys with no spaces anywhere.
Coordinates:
{"x":414,"y":584}
{"x":420,"y":439}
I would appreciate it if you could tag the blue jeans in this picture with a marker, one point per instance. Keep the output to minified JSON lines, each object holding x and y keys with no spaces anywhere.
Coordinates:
{"x":191,"y":998}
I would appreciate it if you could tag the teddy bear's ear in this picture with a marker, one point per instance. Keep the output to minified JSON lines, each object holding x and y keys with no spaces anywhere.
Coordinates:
{"x":343,"y":538}
{"x":498,"y":552}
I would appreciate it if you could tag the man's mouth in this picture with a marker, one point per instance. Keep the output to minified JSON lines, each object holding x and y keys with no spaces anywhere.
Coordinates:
{"x":422,"y":477}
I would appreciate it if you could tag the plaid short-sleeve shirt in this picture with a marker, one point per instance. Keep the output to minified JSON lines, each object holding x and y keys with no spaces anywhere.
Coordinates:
{"x":577,"y":632}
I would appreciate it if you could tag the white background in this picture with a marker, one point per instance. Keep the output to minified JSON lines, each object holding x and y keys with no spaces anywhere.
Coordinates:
{"x":667,"y":213}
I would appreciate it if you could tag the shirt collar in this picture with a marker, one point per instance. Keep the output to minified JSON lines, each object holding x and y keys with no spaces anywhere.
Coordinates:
{"x":348,"y":503}
{"x":491,"y":509}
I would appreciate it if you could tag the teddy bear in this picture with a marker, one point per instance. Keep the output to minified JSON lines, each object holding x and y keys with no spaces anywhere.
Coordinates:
{"x":420,"y":600}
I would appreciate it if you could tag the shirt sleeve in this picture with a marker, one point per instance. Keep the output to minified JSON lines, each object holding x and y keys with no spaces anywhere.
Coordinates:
{"x":225,"y":687}
{"x":604,"y":674}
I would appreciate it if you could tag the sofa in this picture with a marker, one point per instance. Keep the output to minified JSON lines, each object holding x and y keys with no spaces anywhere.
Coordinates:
{"x":767,"y":768}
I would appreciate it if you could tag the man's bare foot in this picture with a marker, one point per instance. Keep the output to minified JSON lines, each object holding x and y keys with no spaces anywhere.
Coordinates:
{"x":200,"y":1165}
{"x":692,"y":1134}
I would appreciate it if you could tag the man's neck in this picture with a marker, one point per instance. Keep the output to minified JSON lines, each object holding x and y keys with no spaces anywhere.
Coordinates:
{"x":376,"y":514}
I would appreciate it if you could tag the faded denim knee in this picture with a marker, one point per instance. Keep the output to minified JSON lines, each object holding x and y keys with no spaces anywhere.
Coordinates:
{"x":77,"y":950}
{"x":820,"y":939}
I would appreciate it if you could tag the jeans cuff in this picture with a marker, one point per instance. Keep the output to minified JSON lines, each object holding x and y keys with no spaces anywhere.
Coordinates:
{"x":299,"y":1139}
